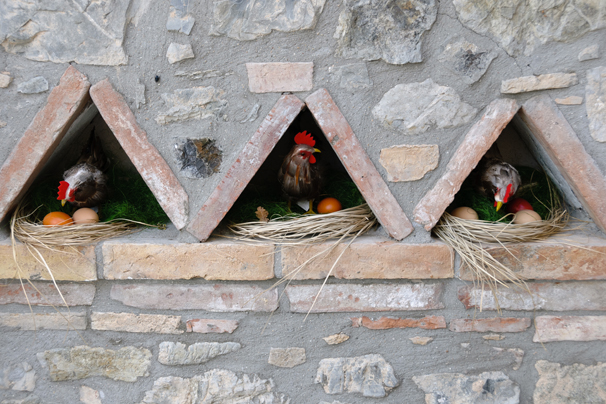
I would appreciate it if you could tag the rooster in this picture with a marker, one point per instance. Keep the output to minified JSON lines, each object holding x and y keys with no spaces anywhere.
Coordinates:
{"x":85,"y":184}
{"x":299,"y":175}
{"x":497,"y":180}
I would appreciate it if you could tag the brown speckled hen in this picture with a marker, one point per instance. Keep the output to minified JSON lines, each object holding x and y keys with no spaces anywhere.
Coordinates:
{"x":299,"y":175}
{"x":497,"y":180}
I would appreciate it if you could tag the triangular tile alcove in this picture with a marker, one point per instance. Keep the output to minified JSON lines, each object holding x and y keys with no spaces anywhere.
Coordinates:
{"x":342,"y":140}
{"x":553,"y":143}
{"x":64,"y":106}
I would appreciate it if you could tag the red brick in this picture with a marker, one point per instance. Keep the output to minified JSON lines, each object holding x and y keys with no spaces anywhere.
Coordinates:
{"x":358,"y":298}
{"x":495,"y":324}
{"x":359,"y":166}
{"x":574,"y":258}
{"x":475,"y":144}
{"x":64,"y":104}
{"x":46,"y":294}
{"x":209,"y":325}
{"x":219,"y":298}
{"x":570,"y":328}
{"x":560,"y":142}
{"x":384,"y":323}
{"x":245,"y":167}
{"x":279,"y":77}
{"x":371,"y":258}
{"x":145,"y":157}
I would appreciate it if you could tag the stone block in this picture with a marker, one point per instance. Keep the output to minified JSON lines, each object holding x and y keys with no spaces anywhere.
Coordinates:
{"x":178,"y":354}
{"x":90,"y":396}
{"x":589,"y":53}
{"x":33,"y":86}
{"x":421,"y":340}
{"x":357,"y":298}
{"x":129,"y":322}
{"x":576,"y":383}
{"x":536,"y":83}
{"x":65,"y":263}
{"x":570,"y":328}
{"x":279,"y":77}
{"x":371,"y":258}
{"x":64,"y":104}
{"x":177,"y":52}
{"x":495,"y":324}
{"x":43,"y":321}
{"x":409,"y":162}
{"x":385,"y":323}
{"x":595,"y":93}
{"x":5,"y":80}
{"x":217,"y":260}
{"x":46,"y":294}
{"x":218,"y":298}
{"x":571,"y":100}
{"x":206,"y":326}
{"x":286,"y":357}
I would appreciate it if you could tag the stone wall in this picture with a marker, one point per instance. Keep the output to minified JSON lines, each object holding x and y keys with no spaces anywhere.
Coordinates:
{"x":158,"y":317}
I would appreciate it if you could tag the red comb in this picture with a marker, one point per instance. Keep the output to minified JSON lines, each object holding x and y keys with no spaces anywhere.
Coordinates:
{"x":63,"y":185}
{"x":305,"y":138}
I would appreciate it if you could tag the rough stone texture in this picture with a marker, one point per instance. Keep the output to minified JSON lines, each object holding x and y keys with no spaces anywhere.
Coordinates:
{"x":66,"y":264}
{"x":416,"y":108}
{"x":90,"y":396}
{"x":5,"y":80}
{"x":129,"y":322}
{"x":371,"y":258}
{"x":359,"y":166}
{"x":286,"y":357}
{"x":246,"y":165}
{"x":145,"y":157}
{"x":31,"y":399}
{"x":211,"y":261}
{"x":356,"y":298}
{"x":370,"y":375}
{"x":219,"y":298}
{"x":385,"y":323}
{"x":572,"y":100}
{"x":34,"y":86}
{"x":390,"y":30}
{"x":192,"y":103}
{"x":595,"y":95}
{"x":589,"y":53}
{"x":487,"y":387}
{"x":214,"y":386}
{"x":520,"y":26}
{"x":466,"y":59}
{"x":421,"y":340}
{"x":2,"y":124}
{"x":206,"y":326}
{"x":46,"y":294}
{"x":44,"y":321}
{"x":570,"y":328}
{"x":409,"y":162}
{"x":198,"y":158}
{"x":352,"y":77}
{"x":553,"y":296}
{"x":126,"y":364}
{"x":46,"y":32}
{"x":577,"y":383}
{"x":495,"y":324}
{"x":20,"y":377}
{"x":64,"y":105}
{"x":177,"y":353}
{"x":475,"y":144}
{"x":336,"y":339}
{"x":247,"y":20}
{"x":279,"y":77}
{"x":493,"y":337}
{"x":536,"y":83}
{"x":177,"y":52}
{"x":179,"y":20}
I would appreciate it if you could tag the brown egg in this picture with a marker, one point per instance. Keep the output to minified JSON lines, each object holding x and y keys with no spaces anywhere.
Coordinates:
{"x":57,"y":219}
{"x":526,"y":216}
{"x":466,"y":213}
{"x":85,"y":215}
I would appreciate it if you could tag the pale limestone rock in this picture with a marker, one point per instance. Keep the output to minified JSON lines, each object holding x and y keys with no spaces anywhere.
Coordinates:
{"x":5,"y":80}
{"x":90,"y":396}
{"x":191,"y":103}
{"x":31,"y":399}
{"x":572,"y":100}
{"x":391,"y":31}
{"x":2,"y":124}
{"x":214,"y":386}
{"x":535,"y":83}
{"x":246,"y":20}
{"x":466,"y":59}
{"x":175,"y":354}
{"x":177,"y":52}
{"x":370,"y":375}
{"x":589,"y":53}
{"x":421,"y":340}
{"x":409,"y":162}
{"x":493,"y":337}
{"x":65,"y":31}
{"x":595,"y":102}
{"x":352,"y":77}
{"x":517,"y":353}
{"x":179,"y":19}
{"x":416,"y":108}
{"x":286,"y":357}
{"x":21,"y":377}
{"x":336,"y":338}
{"x":577,"y":383}
{"x":129,"y":322}
{"x":519,"y":26}
{"x":126,"y":364}
{"x":34,"y":86}
{"x":487,"y":387}
{"x":205,"y":326}
{"x":44,"y":321}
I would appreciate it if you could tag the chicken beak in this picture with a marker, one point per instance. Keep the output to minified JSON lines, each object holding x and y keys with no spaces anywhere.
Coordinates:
{"x":63,"y":202}
{"x":317,"y":150}
{"x":499,"y":204}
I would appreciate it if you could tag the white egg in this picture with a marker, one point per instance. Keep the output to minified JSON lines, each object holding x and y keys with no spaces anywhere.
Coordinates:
{"x":85,"y":215}
{"x":466,"y":213}
{"x":526,"y":216}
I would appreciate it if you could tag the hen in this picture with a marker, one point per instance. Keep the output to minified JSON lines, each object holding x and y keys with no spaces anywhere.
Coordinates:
{"x":299,"y":175}
{"x":497,"y":180}
{"x":85,"y":184}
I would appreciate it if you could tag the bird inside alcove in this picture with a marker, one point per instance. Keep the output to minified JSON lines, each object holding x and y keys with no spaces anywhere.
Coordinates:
{"x":266,"y":188}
